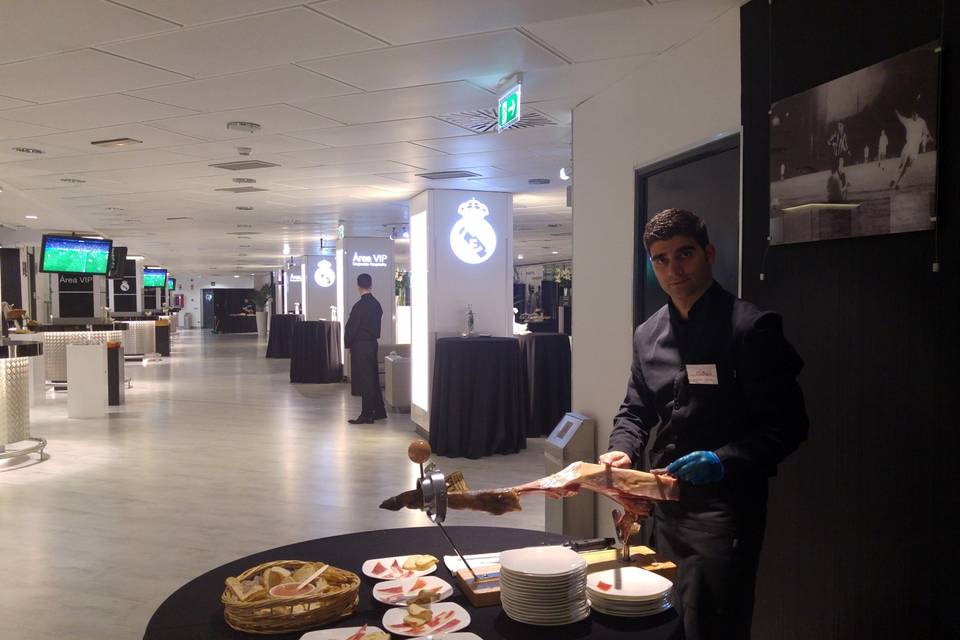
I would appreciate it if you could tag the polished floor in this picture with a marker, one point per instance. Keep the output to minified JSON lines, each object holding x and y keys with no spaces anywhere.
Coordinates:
{"x":215,"y":455}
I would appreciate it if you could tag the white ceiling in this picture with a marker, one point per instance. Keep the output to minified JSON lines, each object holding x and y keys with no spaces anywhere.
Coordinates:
{"x":349,"y":95}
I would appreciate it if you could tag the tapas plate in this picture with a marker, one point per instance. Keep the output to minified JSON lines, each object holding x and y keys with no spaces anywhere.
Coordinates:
{"x":392,"y":569}
{"x":447,"y":618}
{"x":399,"y":592}
{"x":344,"y":633}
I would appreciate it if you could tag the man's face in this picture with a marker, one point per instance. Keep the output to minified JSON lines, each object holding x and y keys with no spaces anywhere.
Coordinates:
{"x":683,"y":268}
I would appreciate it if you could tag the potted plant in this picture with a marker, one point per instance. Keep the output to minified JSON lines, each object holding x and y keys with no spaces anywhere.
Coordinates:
{"x":260,"y":298}
{"x":564,"y":278}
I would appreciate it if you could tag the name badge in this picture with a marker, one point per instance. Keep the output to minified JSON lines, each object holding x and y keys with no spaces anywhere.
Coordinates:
{"x":702,"y":374}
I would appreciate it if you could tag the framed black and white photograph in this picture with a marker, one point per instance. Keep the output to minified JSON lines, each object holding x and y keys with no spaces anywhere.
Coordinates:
{"x":857,"y":156}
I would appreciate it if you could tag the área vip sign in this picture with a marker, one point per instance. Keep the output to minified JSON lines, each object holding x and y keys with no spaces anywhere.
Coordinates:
{"x":374,"y":260}
{"x":472,"y":238}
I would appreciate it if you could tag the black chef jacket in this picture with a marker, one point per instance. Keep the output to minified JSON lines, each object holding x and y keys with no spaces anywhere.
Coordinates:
{"x":363,"y":325}
{"x":752,"y":419}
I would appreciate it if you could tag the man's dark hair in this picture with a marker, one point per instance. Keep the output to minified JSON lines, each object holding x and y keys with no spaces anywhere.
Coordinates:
{"x":364,"y":281}
{"x":670,"y":223}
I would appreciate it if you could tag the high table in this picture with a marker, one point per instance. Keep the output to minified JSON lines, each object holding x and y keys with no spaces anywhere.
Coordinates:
{"x":239,"y":323}
{"x":478,"y":399}
{"x":545,"y":367}
{"x":281,"y":334}
{"x":315,"y":352}
{"x":194,"y":612}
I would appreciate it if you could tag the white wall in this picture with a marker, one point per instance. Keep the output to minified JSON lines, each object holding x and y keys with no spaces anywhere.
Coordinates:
{"x":192,"y":289}
{"x":684,"y":98}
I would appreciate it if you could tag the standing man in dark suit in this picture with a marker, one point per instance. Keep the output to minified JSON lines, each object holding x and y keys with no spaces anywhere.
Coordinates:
{"x":360,"y":336}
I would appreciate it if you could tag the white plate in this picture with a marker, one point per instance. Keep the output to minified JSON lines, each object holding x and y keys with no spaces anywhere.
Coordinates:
{"x":542,"y":561}
{"x":442,"y":611}
{"x":546,"y":621}
{"x":391,"y":573}
{"x":639,"y":613}
{"x":629,"y":583}
{"x":337,"y":634}
{"x":387,"y":592}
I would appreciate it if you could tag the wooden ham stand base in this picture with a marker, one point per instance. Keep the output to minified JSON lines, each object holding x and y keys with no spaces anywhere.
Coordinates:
{"x":486,"y":593}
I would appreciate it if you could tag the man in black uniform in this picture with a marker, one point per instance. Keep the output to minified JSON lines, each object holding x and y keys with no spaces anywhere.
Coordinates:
{"x":360,"y":336}
{"x":713,"y":399}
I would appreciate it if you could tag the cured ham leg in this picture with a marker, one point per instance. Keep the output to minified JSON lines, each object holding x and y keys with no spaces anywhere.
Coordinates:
{"x":634,"y":490}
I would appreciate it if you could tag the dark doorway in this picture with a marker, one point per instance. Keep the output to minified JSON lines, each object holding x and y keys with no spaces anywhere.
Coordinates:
{"x":208,"y":311}
{"x":706,"y":181}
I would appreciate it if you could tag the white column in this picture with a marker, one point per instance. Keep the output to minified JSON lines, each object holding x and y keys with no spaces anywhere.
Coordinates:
{"x":356,"y":255}
{"x":320,"y":285}
{"x":86,"y":380}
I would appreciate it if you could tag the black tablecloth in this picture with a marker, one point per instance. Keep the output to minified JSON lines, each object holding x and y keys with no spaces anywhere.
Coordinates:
{"x":545,"y":365}
{"x":315,"y":352}
{"x":281,"y":334}
{"x":548,"y":325}
{"x":194,"y":611}
{"x":477,"y":406}
{"x":239,"y":323}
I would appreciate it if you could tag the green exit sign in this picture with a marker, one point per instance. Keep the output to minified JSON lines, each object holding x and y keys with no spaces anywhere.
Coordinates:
{"x":508,"y":108}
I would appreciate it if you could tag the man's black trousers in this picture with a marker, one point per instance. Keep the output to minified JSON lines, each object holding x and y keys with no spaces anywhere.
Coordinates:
{"x":364,"y":369}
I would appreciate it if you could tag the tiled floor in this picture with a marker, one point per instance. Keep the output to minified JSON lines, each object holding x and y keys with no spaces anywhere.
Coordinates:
{"x":215,"y":455}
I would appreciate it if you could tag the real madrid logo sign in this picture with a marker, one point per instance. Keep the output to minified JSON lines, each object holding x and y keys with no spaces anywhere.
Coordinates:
{"x":472,"y":238}
{"x":324,"y":276}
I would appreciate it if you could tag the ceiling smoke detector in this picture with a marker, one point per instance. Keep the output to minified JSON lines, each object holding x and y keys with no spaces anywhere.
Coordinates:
{"x":115,"y":143}
{"x":245,"y":127}
{"x":244,"y":151}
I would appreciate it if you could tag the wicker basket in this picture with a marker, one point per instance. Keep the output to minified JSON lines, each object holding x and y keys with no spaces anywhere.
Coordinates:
{"x":283,"y":615}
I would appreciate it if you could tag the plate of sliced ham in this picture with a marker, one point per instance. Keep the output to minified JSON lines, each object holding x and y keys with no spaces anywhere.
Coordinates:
{"x":365,"y":632}
{"x":447,"y":618}
{"x":400,"y":592}
{"x":392,"y":569}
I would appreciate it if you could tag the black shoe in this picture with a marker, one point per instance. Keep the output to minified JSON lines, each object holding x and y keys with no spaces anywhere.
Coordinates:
{"x":361,"y":420}
{"x":380,"y":416}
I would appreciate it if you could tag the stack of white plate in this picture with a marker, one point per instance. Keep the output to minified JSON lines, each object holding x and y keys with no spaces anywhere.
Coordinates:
{"x":544,"y":585}
{"x":629,"y":592}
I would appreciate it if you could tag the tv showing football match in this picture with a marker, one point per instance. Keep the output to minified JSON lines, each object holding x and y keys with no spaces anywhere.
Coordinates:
{"x":154,"y":277}
{"x":171,"y":283}
{"x":71,"y":254}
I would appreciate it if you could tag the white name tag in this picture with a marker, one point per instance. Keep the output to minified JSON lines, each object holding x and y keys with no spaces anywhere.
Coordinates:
{"x":702,"y":374}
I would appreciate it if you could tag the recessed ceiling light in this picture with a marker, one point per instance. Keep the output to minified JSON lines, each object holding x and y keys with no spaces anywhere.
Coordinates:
{"x":236,"y":276}
{"x":129,"y":257}
{"x":519,"y":256}
{"x":116,"y":142}
{"x":72,"y":180}
{"x":244,"y":208}
{"x":246,"y":127}
{"x":244,"y":180}
{"x":31,"y":217}
{"x":28,"y":150}
{"x":555,"y":252}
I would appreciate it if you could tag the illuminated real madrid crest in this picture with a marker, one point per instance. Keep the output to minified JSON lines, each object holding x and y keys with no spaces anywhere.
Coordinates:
{"x":324,"y":276}
{"x":124,"y":286}
{"x":472,"y":238}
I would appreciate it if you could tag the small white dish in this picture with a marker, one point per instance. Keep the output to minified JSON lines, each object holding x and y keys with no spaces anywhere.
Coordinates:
{"x":398,"y":592}
{"x":628,"y":583}
{"x":447,"y":618}
{"x":542,"y":561}
{"x":391,"y":569}
{"x":343,"y":633}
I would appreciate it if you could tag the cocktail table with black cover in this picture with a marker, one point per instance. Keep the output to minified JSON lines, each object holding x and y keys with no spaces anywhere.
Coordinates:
{"x":315,"y":352}
{"x":194,"y":612}
{"x":545,"y":365}
{"x":478,"y":401}
{"x":281,"y":334}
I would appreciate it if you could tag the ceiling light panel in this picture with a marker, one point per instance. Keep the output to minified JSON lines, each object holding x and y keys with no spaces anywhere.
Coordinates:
{"x":487,"y":55}
{"x":254,"y":42}
{"x":78,"y":24}
{"x":90,"y":113}
{"x":395,"y":104}
{"x":383,"y":132}
{"x":273,"y":119}
{"x":286,"y":83}
{"x":405,"y":21}
{"x":78,"y":74}
{"x":150,"y":137}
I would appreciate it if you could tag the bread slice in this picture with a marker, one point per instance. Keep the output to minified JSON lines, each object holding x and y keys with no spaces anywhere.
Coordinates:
{"x":423,"y":613}
{"x":304,"y":572}
{"x":274,"y":576}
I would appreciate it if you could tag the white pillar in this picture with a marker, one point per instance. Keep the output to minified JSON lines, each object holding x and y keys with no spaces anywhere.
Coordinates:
{"x":356,"y":255}
{"x":86,"y":380}
{"x":461,"y":246}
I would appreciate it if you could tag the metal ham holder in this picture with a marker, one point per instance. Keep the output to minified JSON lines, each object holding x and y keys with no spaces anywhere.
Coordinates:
{"x":432,"y":485}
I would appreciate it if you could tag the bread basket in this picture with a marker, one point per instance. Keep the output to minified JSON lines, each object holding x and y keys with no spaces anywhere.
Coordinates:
{"x":283,"y":615}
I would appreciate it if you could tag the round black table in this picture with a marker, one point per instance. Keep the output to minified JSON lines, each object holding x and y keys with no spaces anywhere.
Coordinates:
{"x":315,"y":352}
{"x":194,"y":612}
{"x":281,"y":334}
{"x":477,"y":406}
{"x":545,"y":366}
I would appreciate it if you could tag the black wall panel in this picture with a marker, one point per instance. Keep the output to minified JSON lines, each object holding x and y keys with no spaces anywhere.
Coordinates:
{"x":859,"y":544}
{"x":10,"y":274}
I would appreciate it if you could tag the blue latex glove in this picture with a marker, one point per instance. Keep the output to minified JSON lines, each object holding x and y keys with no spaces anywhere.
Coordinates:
{"x":699,"y":467}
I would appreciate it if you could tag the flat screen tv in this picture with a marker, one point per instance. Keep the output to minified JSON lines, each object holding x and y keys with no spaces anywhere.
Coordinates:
{"x":171,"y":283}
{"x":69,"y":254}
{"x":153,"y":277}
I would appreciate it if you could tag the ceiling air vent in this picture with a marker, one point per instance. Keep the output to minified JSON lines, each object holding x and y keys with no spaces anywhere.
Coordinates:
{"x":484,"y":120}
{"x":181,"y":218}
{"x":242,"y":165}
{"x":447,"y":175}
{"x":241,"y":189}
